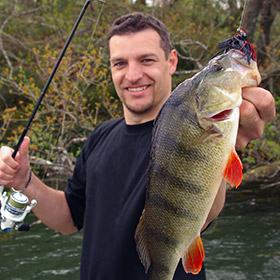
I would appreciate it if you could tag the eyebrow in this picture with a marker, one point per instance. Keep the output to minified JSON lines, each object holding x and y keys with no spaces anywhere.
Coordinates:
{"x":145,"y":55}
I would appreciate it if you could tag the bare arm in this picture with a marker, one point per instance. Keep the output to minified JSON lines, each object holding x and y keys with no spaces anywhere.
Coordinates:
{"x":257,"y":109}
{"x":52,"y":208}
{"x":218,"y":205}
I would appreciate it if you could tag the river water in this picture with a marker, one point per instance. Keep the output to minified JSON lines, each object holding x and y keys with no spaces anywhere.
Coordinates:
{"x":242,"y":244}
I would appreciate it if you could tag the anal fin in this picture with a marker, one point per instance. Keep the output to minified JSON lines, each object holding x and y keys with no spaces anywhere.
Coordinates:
{"x":233,"y":171}
{"x":141,"y":245}
{"x":194,"y":257}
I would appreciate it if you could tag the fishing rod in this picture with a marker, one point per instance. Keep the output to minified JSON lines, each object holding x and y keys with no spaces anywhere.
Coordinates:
{"x":16,"y":206}
{"x":52,"y":75}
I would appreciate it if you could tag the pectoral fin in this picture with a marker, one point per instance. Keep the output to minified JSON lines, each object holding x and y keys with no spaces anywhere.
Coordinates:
{"x":211,"y":133}
{"x":233,"y":172}
{"x":194,"y":256}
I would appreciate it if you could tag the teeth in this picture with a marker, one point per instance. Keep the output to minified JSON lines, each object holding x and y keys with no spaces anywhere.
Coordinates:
{"x":137,"y":89}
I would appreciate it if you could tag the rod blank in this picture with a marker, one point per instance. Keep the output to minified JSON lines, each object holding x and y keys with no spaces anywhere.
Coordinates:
{"x":51,"y":76}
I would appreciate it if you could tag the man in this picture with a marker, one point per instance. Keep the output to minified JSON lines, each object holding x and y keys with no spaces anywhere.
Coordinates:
{"x":106,"y":193}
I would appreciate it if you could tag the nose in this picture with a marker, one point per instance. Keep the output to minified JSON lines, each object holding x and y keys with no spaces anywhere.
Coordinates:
{"x":134,"y":73}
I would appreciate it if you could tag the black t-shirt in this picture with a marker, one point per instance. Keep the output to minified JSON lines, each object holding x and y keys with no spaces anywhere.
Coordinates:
{"x":106,"y":196}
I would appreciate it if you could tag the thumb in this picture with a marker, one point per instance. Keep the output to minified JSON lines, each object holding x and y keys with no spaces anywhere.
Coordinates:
{"x":22,"y":155}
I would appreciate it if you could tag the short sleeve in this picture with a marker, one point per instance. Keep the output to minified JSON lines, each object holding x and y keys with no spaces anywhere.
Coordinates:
{"x":75,"y":191}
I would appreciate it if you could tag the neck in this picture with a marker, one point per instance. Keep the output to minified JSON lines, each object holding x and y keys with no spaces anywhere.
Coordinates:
{"x":131,"y":119}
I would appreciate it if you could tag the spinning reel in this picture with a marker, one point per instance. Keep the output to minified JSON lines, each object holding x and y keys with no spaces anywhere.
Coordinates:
{"x":14,"y":208}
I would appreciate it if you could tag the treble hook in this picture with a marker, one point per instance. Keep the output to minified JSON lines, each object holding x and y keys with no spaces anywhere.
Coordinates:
{"x":52,"y":75}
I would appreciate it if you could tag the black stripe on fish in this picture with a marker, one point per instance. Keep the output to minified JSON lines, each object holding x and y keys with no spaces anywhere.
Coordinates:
{"x":191,"y":154}
{"x":159,"y":236}
{"x":168,"y":143}
{"x":159,"y":269}
{"x":165,"y":176}
{"x":163,"y":204}
{"x":181,"y":101}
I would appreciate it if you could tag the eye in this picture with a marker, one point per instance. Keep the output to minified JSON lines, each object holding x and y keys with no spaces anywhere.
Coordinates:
{"x":119,"y":64}
{"x":147,"y":61}
{"x":217,"y":68}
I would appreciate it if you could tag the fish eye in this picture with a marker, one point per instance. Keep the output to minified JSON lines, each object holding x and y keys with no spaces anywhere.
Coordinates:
{"x":217,"y":68}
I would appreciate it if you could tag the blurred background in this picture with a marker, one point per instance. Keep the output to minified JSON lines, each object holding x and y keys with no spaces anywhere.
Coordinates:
{"x":244,"y":242}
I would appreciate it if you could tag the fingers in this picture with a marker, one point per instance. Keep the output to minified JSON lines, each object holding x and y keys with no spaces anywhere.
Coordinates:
{"x":22,"y":155}
{"x":8,"y":166}
{"x":262,"y":100}
{"x":257,"y":109}
{"x":13,"y":171}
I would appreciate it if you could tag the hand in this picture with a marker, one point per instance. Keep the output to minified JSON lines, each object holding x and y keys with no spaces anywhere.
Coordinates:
{"x":257,"y":109}
{"x":14,"y":172}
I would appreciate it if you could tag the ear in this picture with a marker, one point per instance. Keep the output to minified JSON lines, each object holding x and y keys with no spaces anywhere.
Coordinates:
{"x":173,"y":60}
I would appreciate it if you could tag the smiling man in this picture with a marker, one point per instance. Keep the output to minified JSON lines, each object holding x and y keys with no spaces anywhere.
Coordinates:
{"x":141,"y":73}
{"x":106,"y":193}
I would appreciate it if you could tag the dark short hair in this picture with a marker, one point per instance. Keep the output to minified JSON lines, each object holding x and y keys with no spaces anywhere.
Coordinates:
{"x":137,"y":21}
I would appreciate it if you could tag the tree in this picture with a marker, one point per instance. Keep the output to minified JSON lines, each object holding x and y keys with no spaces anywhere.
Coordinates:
{"x":32,"y":34}
{"x":266,"y":12}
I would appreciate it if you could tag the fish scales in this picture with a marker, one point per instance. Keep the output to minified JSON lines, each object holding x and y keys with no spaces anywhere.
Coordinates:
{"x":176,"y":192}
{"x":190,"y":151}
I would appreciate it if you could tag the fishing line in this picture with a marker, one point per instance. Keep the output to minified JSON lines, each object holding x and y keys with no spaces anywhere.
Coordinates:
{"x":243,"y":12}
{"x":75,"y":87}
{"x":239,"y":41}
{"x":93,"y":34}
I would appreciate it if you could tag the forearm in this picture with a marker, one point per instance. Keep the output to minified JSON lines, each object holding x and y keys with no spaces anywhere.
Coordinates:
{"x":217,"y":206}
{"x":52,"y":208}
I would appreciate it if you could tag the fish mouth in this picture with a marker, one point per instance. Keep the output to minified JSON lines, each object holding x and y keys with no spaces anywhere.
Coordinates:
{"x":225,"y":114}
{"x":221,"y":116}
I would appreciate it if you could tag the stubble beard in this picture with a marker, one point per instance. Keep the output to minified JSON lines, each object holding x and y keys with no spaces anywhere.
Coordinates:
{"x":138,"y":110}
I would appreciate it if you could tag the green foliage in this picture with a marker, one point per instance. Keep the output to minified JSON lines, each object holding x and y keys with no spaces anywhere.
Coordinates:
{"x":82,"y":95}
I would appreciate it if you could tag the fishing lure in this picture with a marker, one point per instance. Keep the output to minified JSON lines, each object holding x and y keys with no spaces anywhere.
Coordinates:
{"x":239,"y":42}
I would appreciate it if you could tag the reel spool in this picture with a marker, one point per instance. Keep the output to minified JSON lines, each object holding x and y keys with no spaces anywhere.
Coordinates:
{"x":14,"y":209}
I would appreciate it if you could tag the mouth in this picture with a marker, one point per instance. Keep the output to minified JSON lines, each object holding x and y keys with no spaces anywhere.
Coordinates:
{"x":221,"y":116}
{"x":137,"y":89}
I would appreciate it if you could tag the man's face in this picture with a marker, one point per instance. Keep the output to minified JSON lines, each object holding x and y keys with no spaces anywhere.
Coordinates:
{"x":141,"y":73}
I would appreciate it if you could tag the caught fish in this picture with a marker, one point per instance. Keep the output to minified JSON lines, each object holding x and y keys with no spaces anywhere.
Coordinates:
{"x":193,"y":149}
